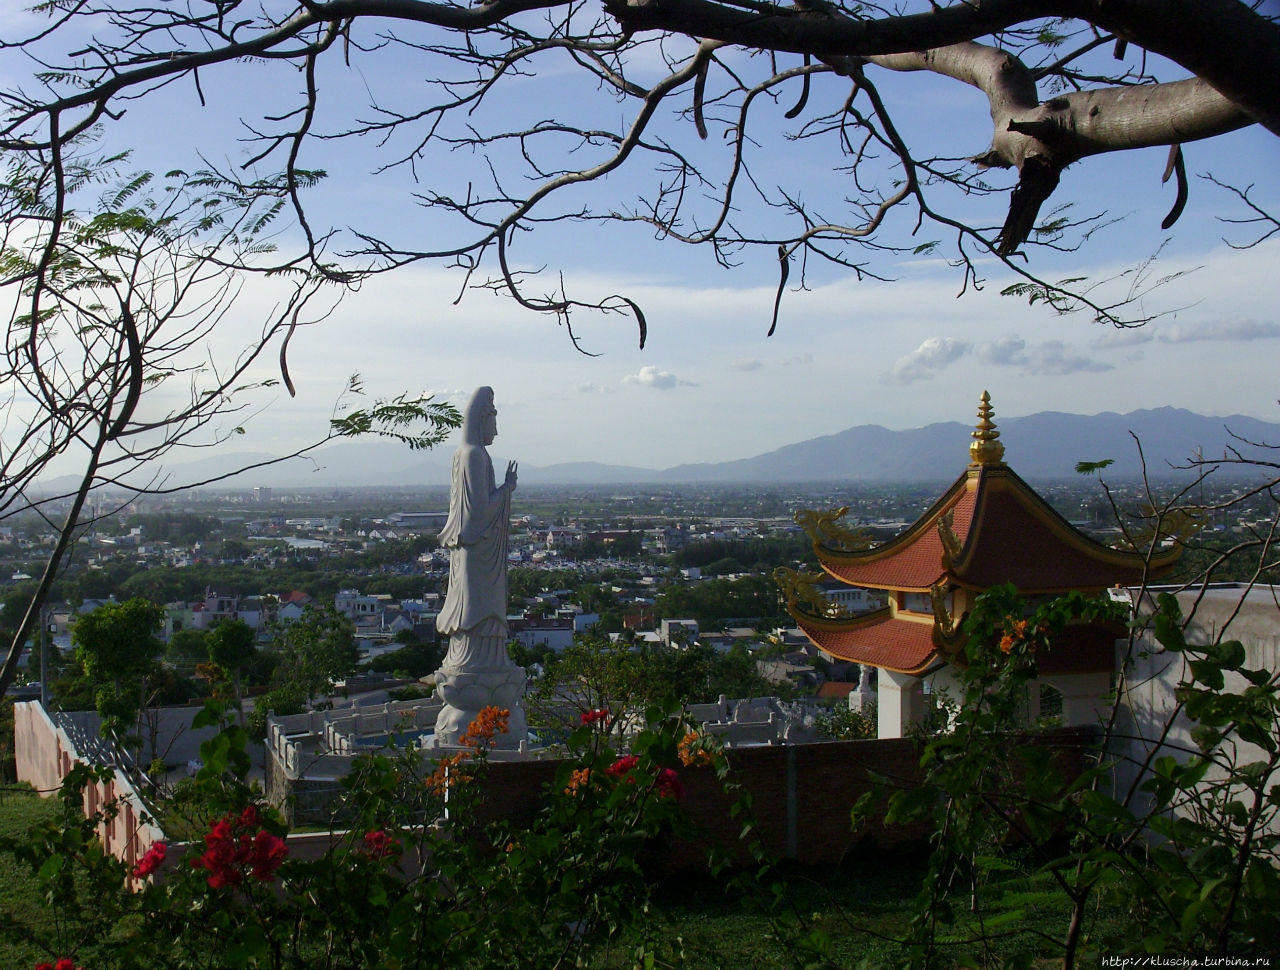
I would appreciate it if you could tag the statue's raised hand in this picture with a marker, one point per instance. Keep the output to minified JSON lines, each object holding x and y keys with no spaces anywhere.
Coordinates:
{"x":511,"y":476}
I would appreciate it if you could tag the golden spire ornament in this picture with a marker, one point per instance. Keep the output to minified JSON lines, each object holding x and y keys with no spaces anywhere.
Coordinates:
{"x":986,"y":449}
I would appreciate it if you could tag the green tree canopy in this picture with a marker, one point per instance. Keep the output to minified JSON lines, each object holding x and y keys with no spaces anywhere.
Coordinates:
{"x":316,"y":650}
{"x":118,"y":641}
{"x":231,"y":645}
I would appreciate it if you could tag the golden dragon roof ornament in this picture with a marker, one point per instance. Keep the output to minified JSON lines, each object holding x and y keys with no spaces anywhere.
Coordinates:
{"x":824,"y":528}
{"x":801,"y":591}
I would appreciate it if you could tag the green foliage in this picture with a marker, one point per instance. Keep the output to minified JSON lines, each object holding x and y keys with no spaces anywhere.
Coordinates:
{"x":411,"y":660}
{"x":746,"y":555}
{"x":118,"y":640}
{"x":598,"y":673}
{"x":845,"y":724}
{"x":231,"y":645}
{"x":314,"y":651}
{"x":396,"y":419}
{"x":394,"y":888}
{"x":187,"y":647}
{"x":116,"y":647}
{"x":713,"y":601}
{"x":1187,"y":857}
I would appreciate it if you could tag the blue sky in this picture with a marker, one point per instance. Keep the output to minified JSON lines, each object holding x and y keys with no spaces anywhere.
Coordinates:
{"x":710,"y":385}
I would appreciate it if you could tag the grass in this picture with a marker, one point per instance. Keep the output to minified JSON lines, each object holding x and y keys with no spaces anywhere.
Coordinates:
{"x":861,"y":907}
{"x":20,"y":900}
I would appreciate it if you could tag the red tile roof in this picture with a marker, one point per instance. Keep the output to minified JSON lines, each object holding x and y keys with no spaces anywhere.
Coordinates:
{"x":1018,"y":538}
{"x":837,"y":689}
{"x":912,"y":560}
{"x":878,"y":638}
{"x":1007,"y":533}
{"x":1004,"y":532}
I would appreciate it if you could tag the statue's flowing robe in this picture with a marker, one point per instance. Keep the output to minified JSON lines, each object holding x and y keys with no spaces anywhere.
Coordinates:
{"x":476,"y":536}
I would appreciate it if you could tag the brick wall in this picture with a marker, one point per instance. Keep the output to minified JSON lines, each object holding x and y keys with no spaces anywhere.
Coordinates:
{"x":801,"y":795}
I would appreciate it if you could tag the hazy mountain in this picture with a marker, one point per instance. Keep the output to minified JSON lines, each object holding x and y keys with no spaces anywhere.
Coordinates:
{"x":1040,"y":446}
{"x":1043,"y":446}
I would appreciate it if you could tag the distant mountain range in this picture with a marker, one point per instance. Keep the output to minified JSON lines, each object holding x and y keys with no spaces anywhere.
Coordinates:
{"x":1043,"y":447}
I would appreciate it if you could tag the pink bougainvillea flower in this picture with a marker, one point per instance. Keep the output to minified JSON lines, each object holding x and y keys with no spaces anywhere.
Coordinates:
{"x":233,"y":849}
{"x":668,"y":784}
{"x":267,"y":854}
{"x":151,"y":861}
{"x":623,"y":766}
{"x":379,"y":845}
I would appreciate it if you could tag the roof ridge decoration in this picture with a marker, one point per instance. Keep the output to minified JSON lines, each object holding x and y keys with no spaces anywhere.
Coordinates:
{"x":951,"y":546}
{"x":801,"y":592}
{"x":825,"y":529}
{"x":941,"y":615}
{"x":985,"y":448}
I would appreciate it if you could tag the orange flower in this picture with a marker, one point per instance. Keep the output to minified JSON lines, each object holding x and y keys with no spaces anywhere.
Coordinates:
{"x":1015,"y":630}
{"x":580,"y":778}
{"x":490,"y":721}
{"x":440,"y":781}
{"x":692,"y":752}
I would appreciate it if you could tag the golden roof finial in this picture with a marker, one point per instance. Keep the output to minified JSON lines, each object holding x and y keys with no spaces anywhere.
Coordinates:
{"x":985,"y":449}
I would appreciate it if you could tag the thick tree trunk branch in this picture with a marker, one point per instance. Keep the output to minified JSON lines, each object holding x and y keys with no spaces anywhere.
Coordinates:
{"x":1233,"y":48}
{"x":1040,"y":140}
{"x":1075,"y":125}
{"x":1223,"y":41}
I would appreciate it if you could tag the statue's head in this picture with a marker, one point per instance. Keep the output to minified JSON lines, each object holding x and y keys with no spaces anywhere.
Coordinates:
{"x":480,"y":419}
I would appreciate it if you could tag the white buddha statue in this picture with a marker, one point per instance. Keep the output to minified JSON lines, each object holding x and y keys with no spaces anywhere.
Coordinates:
{"x":477,"y":671}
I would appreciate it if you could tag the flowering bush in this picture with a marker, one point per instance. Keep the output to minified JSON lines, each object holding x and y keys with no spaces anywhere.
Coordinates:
{"x":151,"y":861}
{"x":397,"y":886}
{"x":379,"y":845}
{"x":237,"y":846}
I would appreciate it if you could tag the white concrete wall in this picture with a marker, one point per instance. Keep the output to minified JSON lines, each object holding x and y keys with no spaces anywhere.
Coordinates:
{"x":1147,"y":726}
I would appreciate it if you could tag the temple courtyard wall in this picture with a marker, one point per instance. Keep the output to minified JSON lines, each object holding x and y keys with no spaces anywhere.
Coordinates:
{"x":801,"y":795}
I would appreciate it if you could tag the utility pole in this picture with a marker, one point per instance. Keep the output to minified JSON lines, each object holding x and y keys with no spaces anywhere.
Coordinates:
{"x":44,"y":657}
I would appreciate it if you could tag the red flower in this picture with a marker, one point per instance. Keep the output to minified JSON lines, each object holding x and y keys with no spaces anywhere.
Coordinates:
{"x":597,"y":716}
{"x":379,"y":845}
{"x":266,"y":855}
{"x":232,"y":849}
{"x":65,"y":963}
{"x":623,"y":766}
{"x":151,"y":861}
{"x":668,"y":784}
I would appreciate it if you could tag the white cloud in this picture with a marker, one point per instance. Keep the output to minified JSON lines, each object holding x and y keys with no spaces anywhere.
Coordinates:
{"x":1051,"y":358}
{"x":1054,"y":358}
{"x":591,"y":387}
{"x":1126,"y":337}
{"x":803,"y":360}
{"x":931,"y":356}
{"x":662,"y":380}
{"x":746,"y":364}
{"x":1010,"y":350}
{"x":1237,"y":330}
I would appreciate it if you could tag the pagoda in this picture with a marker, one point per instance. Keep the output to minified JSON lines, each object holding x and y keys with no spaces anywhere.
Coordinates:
{"x":989,"y":527}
